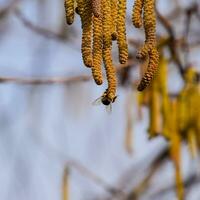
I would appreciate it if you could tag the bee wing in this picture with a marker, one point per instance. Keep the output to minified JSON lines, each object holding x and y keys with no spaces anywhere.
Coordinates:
{"x":109,"y":108}
{"x":97,"y":102}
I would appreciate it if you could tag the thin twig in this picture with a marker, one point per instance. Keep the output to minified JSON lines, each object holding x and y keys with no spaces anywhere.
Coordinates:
{"x":37,"y":29}
{"x":54,"y":80}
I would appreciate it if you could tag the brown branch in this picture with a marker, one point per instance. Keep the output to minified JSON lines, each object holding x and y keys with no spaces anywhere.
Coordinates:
{"x":73,"y":164}
{"x":44,"y":81}
{"x":188,"y":183}
{"x":54,"y":80}
{"x":5,"y":11}
{"x":144,"y":184}
{"x":87,"y":173}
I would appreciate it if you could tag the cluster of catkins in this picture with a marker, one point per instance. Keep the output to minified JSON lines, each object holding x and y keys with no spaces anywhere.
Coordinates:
{"x":104,"y":21}
{"x":174,"y":117}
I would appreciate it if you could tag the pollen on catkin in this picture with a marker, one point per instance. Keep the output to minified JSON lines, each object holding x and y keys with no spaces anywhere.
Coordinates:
{"x":149,"y":48}
{"x":114,"y":13}
{"x":121,"y":32}
{"x":151,"y":70}
{"x":96,"y":7}
{"x":85,"y":9}
{"x":137,"y":13}
{"x":69,"y":11}
{"x":107,"y":47}
{"x":97,"y":50}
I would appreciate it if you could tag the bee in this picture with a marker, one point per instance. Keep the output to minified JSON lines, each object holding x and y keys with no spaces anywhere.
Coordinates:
{"x":105,"y":100}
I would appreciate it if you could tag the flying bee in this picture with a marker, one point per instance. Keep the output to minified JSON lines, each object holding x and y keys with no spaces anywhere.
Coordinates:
{"x":105,"y":100}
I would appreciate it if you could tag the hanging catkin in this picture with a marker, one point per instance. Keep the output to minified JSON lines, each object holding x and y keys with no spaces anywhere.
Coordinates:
{"x":97,"y":50}
{"x":69,"y":11}
{"x":175,"y":149}
{"x":107,"y":46}
{"x":114,"y":13}
{"x":152,"y":68}
{"x":121,"y":32}
{"x":65,"y":185}
{"x":96,"y":7}
{"x":85,"y":11}
{"x":137,"y":13}
{"x":149,"y":48}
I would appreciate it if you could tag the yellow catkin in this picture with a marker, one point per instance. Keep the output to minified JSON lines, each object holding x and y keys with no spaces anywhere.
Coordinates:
{"x":121,"y":32}
{"x":163,"y":74}
{"x":151,"y":70}
{"x":97,"y":50}
{"x":175,"y":149}
{"x":163,"y":88}
{"x":183,"y":110}
{"x":114,"y":13}
{"x":166,"y":116}
{"x":149,"y":21}
{"x":107,"y":56}
{"x":137,"y":13}
{"x":96,"y":7}
{"x":192,"y":142}
{"x":85,"y":11}
{"x":149,"y":47}
{"x":69,"y":10}
{"x":155,"y":111}
{"x":65,"y":185}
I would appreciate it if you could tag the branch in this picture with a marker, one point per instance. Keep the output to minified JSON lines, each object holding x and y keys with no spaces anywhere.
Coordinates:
{"x":55,"y":80}
{"x":44,"y":81}
{"x":188,"y":183}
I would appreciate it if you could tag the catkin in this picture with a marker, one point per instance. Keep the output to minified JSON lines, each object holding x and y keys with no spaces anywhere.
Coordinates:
{"x":175,"y":149}
{"x":137,"y":13}
{"x":97,"y":50}
{"x":121,"y":32}
{"x":65,"y":185}
{"x":85,"y":11}
{"x":155,"y":111}
{"x":69,"y":11}
{"x":107,"y":47}
{"x":149,"y":48}
{"x":152,"y":68}
{"x":149,"y":21}
{"x":96,"y":7}
{"x":114,"y":13}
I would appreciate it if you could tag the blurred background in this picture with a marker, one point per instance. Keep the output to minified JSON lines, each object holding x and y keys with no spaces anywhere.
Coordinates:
{"x":53,"y":141}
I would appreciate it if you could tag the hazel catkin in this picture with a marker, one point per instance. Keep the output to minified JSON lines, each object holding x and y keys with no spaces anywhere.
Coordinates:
{"x":107,"y":47}
{"x":137,"y":13}
{"x":114,"y":15}
{"x":97,"y":50}
{"x":149,"y":47}
{"x":69,"y":11}
{"x":121,"y":32}
{"x":151,"y":69}
{"x":96,"y":7}
{"x":85,"y":10}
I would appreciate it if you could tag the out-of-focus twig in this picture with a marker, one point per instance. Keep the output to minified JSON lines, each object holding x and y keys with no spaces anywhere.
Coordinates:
{"x":44,"y":81}
{"x":54,"y":80}
{"x":172,"y":41}
{"x":37,"y":29}
{"x":10,"y":6}
{"x":128,"y":179}
{"x":188,"y":183}
{"x":73,"y":164}
{"x":144,"y":184}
